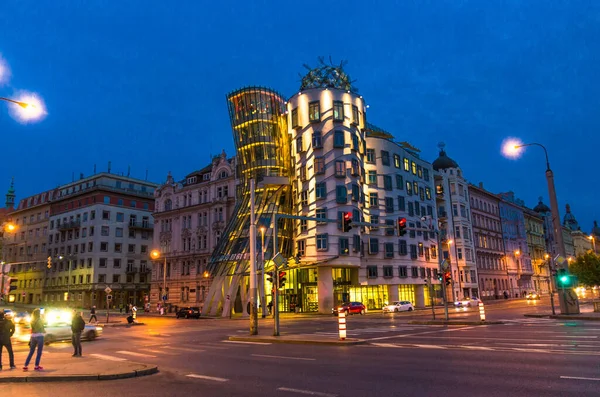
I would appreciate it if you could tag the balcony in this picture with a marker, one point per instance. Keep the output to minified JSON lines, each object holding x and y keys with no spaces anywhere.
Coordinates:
{"x":141,"y":226}
{"x":69,"y":225}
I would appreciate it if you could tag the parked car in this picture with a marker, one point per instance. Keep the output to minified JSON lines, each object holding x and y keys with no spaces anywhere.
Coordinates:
{"x":532,"y":296}
{"x":400,"y":306}
{"x":468,"y":302}
{"x":188,"y":312}
{"x":349,"y":308}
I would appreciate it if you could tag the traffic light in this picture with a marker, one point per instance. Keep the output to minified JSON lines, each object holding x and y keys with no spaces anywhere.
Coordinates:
{"x":346,"y":221}
{"x":448,"y":278}
{"x":270,"y":277}
{"x":401,"y":226}
{"x":564,"y":280}
{"x":281,"y":279}
{"x":439,"y":276}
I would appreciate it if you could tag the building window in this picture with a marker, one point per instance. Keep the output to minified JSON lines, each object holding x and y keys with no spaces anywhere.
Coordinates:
{"x":389,"y":205}
{"x":106,"y":200}
{"x":372,"y":178}
{"x":355,"y":114}
{"x":370,"y":155}
{"x":356,"y":244}
{"x":428,"y":193}
{"x":117,"y":263}
{"x":102,"y":262}
{"x":402,"y":247}
{"x":402,"y":271}
{"x":355,"y":168}
{"x":102,"y":278}
{"x":397,"y":161}
{"x":106,"y":215}
{"x":120,"y":217}
{"x":355,"y":192}
{"x":338,"y":110}
{"x":340,"y":168}
{"x":341,"y":194}
{"x":414,"y":272}
{"x":355,"y":145}
{"x":338,"y":139}
{"x":371,"y":271}
{"x":118,"y":247}
{"x":294,"y":118}
{"x":385,"y":157}
{"x":316,"y":140}
{"x":104,"y":231}
{"x":373,"y":200}
{"x":300,"y":247}
{"x":375,"y":222}
{"x":388,"y":272}
{"x":389,"y":251}
{"x":411,"y":208}
{"x":321,"y":213}
{"x":303,"y":172}
{"x":401,"y":204}
{"x":314,"y":111}
{"x":103,"y":246}
{"x":387,"y":182}
{"x":304,"y":197}
{"x":413,"y":251}
{"x":303,"y":226}
{"x":321,"y":190}
{"x":119,"y":232}
{"x":344,"y":246}
{"x":373,"y":246}
{"x":322,"y":243}
{"x":319,"y":165}
{"x":459,"y":253}
{"x":299,"y":148}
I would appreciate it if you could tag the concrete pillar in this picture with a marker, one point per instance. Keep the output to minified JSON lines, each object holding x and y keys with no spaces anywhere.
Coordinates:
{"x":325,"y":289}
{"x":419,"y":296}
{"x":392,"y":291}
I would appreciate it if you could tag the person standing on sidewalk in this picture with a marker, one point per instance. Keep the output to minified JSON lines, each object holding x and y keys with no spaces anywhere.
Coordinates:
{"x":7,"y":329}
{"x":93,"y":314}
{"x":77,"y":327}
{"x":36,"y":341}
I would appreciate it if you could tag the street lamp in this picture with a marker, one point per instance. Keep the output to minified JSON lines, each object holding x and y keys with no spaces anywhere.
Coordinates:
{"x":10,"y":228}
{"x":155,"y":255}
{"x":593,"y":240}
{"x":513,"y":148}
{"x":29,"y":107}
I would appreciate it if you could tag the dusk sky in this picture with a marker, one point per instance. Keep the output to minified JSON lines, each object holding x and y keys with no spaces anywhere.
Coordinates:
{"x":143,"y":83}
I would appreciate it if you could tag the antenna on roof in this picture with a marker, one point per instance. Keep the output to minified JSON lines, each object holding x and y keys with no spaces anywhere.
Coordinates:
{"x":109,"y":167}
{"x":128,"y":170}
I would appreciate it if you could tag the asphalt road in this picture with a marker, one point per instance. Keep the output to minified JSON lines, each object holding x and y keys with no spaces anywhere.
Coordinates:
{"x":524,"y":357}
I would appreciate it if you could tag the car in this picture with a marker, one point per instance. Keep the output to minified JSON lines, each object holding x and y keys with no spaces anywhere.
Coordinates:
{"x":188,"y":312}
{"x":9,"y":314}
{"x":532,"y":296}
{"x":468,"y":302}
{"x":349,"y":308}
{"x":399,"y":306}
{"x":60,"y":332}
{"x":22,"y":318}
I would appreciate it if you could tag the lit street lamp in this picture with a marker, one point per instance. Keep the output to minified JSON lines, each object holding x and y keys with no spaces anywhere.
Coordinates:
{"x":593,"y":240}
{"x":155,"y":255}
{"x":10,"y":228}
{"x":513,"y":148}
{"x":29,"y":107}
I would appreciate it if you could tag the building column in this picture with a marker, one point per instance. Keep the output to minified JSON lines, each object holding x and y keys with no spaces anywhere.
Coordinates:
{"x":419,"y":296}
{"x":393,"y":295}
{"x":325,"y":289}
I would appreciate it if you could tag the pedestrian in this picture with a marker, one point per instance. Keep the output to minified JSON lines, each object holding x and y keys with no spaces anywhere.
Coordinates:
{"x":505,"y":295}
{"x":129,"y":308}
{"x":93,"y":315}
{"x":162,"y":310}
{"x":7,"y":329}
{"x":121,"y":308}
{"x":77,"y":327}
{"x":36,"y":341}
{"x":270,"y":306}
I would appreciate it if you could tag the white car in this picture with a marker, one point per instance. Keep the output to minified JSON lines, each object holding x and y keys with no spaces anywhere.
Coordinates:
{"x":400,"y":306}
{"x":468,"y":302}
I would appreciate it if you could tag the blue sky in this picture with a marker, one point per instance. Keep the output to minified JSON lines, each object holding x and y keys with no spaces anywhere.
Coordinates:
{"x":143,"y":83}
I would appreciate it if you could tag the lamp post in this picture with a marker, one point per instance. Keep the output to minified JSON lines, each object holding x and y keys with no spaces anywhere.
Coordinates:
{"x":7,"y":227}
{"x":29,"y":107}
{"x":253,"y":314}
{"x":155,"y":254}
{"x":513,"y":148}
{"x":262,"y":274}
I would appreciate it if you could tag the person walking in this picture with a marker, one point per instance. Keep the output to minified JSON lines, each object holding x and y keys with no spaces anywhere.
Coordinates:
{"x":7,"y":329}
{"x":77,"y":327}
{"x":93,"y":314}
{"x":36,"y":341}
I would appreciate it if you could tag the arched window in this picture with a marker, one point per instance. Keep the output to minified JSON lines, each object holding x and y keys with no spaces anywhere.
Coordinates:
{"x":168,"y":205}
{"x":223,"y":174}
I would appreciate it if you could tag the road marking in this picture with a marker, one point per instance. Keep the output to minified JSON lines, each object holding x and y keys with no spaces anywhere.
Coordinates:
{"x":109,"y":358}
{"x":578,"y":378}
{"x":207,"y":378}
{"x":308,"y":392}
{"x":430,"y":346}
{"x":477,"y":347}
{"x":284,"y":357}
{"x":160,"y":352}
{"x":423,"y":333}
{"x":246,"y":343}
{"x":135,"y":354}
{"x":185,"y":349}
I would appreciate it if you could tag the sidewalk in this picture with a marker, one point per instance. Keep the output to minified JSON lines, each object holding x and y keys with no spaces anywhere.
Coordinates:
{"x":61,"y":367}
{"x":586,"y":314}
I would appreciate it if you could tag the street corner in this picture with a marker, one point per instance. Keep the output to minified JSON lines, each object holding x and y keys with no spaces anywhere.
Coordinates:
{"x":297,"y":340}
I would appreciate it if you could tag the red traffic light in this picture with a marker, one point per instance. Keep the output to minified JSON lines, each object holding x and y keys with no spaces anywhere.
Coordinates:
{"x":346,"y":221}
{"x":401,"y":226}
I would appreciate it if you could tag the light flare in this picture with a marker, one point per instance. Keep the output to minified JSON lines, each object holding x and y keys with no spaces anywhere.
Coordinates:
{"x":511,"y":148}
{"x":30,"y":109}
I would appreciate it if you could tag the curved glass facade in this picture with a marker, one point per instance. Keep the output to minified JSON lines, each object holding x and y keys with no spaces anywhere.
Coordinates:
{"x":258,"y":120}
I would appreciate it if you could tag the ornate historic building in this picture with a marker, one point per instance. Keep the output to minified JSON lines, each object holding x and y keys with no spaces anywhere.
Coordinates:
{"x":489,"y":247}
{"x":189,"y":220}
{"x":540,"y":259}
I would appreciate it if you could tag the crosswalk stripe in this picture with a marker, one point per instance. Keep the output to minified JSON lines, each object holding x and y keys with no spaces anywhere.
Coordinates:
{"x":109,"y":358}
{"x":134,"y":353}
{"x":207,"y":377}
{"x":184,"y":349}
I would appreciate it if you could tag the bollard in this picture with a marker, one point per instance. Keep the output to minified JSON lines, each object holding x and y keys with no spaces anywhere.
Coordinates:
{"x":481,"y":312}
{"x":342,"y":325}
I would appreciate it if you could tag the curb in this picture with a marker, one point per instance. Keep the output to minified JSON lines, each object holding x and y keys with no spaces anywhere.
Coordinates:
{"x":275,"y":339}
{"x":563,"y":317}
{"x":451,"y":322}
{"x":79,"y":378}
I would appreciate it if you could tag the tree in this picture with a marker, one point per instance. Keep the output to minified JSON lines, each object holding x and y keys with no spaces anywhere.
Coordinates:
{"x":587,"y":269}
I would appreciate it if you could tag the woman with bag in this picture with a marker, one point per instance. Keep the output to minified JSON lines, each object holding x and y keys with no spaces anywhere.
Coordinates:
{"x":36,"y":341}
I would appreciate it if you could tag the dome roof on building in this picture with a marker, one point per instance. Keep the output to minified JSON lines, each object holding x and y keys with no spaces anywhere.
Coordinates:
{"x":541,"y":207}
{"x":443,"y":161}
{"x":569,"y":219}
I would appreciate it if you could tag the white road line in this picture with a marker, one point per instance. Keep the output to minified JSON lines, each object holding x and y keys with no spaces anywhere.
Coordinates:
{"x":578,"y":378}
{"x":423,"y":333}
{"x":134,"y":354}
{"x":185,"y":349}
{"x":109,"y":358}
{"x":430,"y":346}
{"x":284,"y":357}
{"x":207,"y":378}
{"x":246,"y":343}
{"x":477,"y":347}
{"x":307,"y":392}
{"x":160,"y":352}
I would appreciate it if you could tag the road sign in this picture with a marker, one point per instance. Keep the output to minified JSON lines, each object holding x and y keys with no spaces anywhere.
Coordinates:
{"x":107,"y":290}
{"x":444,"y":265}
{"x":278,"y":259}
{"x":559,"y":259}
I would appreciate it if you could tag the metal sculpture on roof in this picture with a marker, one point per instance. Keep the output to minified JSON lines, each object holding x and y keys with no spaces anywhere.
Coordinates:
{"x":327,"y":76}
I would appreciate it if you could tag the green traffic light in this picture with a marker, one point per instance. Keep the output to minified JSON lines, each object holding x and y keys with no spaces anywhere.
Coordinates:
{"x":564,"y":279}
